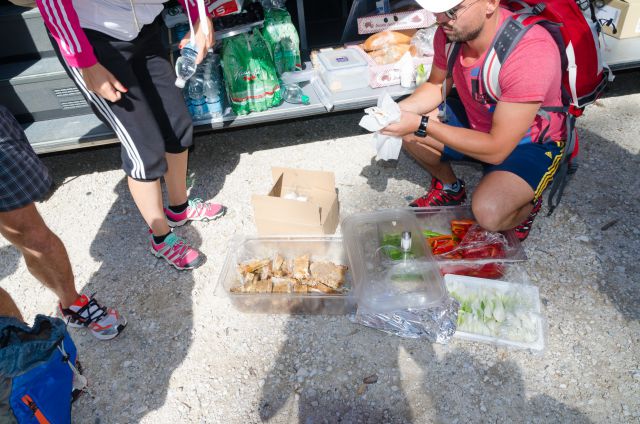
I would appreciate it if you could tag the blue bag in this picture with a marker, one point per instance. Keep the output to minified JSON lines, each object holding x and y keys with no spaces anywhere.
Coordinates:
{"x":37,"y":367}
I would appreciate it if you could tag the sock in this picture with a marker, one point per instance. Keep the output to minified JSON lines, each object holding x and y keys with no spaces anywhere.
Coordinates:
{"x":160,"y":239}
{"x":179,"y":208}
{"x":455,"y":187}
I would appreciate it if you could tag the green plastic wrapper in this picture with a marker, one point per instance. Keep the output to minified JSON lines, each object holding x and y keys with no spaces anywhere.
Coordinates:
{"x":283,"y":40}
{"x":250,"y":74}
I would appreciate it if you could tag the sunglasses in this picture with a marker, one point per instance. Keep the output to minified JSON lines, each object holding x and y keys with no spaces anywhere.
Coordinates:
{"x":455,"y":12}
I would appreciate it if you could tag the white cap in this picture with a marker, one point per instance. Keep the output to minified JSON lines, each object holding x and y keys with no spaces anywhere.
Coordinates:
{"x":438,"y":6}
{"x":180,"y":83}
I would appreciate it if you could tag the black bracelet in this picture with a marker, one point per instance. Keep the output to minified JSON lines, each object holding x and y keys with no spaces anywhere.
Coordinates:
{"x":422,"y":129}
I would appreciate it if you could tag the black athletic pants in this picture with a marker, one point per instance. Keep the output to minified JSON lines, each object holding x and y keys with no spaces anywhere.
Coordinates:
{"x":151,"y":118}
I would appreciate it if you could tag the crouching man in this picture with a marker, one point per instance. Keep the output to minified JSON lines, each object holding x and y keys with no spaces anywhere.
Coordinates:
{"x":520,"y":149}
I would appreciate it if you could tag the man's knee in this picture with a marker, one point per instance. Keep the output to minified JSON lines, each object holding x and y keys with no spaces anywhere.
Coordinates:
{"x":25,"y":229}
{"x":487,"y":214}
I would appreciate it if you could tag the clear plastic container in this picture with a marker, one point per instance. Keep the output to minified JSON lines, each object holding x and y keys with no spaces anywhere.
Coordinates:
{"x":438,"y":219}
{"x":498,"y":312}
{"x":319,"y":249}
{"x":392,"y":268}
{"x":343,"y":69}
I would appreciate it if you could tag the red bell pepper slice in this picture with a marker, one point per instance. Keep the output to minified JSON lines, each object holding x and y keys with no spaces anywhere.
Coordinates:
{"x":441,"y":244}
{"x":459,"y":227}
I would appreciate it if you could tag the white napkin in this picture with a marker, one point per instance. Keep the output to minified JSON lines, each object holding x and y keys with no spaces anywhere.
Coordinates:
{"x":378,"y":117}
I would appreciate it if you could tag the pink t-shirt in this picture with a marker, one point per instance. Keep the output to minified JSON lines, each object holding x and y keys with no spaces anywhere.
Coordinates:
{"x":531,"y":73}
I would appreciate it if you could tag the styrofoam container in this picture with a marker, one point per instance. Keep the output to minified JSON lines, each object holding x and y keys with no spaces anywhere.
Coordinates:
{"x":438,"y":219}
{"x":320,"y":248}
{"x":528,"y":303}
{"x":343,"y":69}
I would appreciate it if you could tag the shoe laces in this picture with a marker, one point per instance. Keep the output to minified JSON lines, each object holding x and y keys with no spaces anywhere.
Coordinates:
{"x":176,"y":243}
{"x":91,"y":312}
{"x":198,"y":204}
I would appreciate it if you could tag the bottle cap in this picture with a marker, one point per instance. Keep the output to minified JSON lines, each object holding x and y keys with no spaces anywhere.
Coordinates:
{"x":305,"y":99}
{"x":405,"y":241}
{"x":180,"y":83}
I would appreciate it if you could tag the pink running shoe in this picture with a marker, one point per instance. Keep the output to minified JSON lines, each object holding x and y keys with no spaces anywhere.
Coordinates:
{"x":104,"y":323}
{"x":177,"y":252}
{"x":198,"y":210}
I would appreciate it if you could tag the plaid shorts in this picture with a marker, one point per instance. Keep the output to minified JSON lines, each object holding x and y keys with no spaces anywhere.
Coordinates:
{"x":23,"y":177}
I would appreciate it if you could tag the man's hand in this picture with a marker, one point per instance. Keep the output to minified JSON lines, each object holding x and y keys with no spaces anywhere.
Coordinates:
{"x":203,"y":42}
{"x":102,"y":82}
{"x":409,"y":123}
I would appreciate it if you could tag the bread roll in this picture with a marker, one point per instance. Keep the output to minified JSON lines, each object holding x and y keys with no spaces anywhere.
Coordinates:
{"x":388,"y":55}
{"x":385,"y":38}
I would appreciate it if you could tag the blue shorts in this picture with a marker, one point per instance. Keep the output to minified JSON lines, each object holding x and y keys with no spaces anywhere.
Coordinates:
{"x":536,"y":163}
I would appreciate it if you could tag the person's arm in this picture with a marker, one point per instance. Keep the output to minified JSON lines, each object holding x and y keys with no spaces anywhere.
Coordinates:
{"x":203,"y":41}
{"x":62,"y":21}
{"x":427,"y":96}
{"x":511,"y":121}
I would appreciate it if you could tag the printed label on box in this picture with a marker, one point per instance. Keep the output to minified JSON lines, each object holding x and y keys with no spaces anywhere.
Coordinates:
{"x":223,"y":7}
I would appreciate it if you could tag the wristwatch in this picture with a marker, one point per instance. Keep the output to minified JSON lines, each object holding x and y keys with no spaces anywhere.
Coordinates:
{"x":422,"y":129}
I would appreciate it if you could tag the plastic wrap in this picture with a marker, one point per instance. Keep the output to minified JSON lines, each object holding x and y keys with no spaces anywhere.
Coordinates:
{"x":436,"y":324}
{"x":249,"y":74}
{"x":423,"y":41}
{"x":478,"y":243}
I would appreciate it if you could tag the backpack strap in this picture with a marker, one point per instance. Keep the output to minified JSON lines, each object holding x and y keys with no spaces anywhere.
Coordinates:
{"x":452,"y":50}
{"x":560,"y":179}
{"x":509,"y":34}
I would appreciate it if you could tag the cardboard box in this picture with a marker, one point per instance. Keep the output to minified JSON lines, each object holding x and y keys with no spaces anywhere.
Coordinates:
{"x":625,"y":16}
{"x":217,"y":8}
{"x":319,"y":214}
{"x":371,"y":24}
{"x":386,"y":75}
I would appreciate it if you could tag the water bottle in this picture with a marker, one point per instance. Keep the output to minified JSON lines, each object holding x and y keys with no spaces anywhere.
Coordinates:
{"x":213,"y":86}
{"x":186,"y":64}
{"x":196,"y":97}
{"x":294,"y":94}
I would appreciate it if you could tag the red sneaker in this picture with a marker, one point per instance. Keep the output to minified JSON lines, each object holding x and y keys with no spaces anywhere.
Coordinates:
{"x":522,"y":230}
{"x":438,"y":196}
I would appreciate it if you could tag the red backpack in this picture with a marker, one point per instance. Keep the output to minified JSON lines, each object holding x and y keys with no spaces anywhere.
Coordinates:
{"x":584,"y":74}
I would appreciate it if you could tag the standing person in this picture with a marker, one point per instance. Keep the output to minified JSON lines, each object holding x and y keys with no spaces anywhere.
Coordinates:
{"x":23,"y":180}
{"x":114,"y":53}
{"x":507,"y":138}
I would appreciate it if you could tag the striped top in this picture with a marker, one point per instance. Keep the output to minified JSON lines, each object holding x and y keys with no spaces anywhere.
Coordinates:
{"x":121,"y":19}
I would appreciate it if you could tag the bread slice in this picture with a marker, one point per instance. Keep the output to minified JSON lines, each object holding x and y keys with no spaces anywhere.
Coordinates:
{"x":282,"y":284}
{"x":328,"y":273}
{"x":252,"y":265}
{"x":264,"y":286}
{"x":321,"y":288}
{"x":301,"y":267}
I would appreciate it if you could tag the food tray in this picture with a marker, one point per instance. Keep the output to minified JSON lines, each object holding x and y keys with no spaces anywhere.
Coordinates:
{"x":523,"y":326}
{"x":438,"y":219}
{"x":320,"y":248}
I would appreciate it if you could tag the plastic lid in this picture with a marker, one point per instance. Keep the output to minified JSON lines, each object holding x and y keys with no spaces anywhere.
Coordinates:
{"x":180,"y":83}
{"x":341,"y":59}
{"x":391,"y":265}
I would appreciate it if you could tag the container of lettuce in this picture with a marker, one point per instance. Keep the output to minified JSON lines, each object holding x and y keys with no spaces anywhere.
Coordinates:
{"x":498,"y":312}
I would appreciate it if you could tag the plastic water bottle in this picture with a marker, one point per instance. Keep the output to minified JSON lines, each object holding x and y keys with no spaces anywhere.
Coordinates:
{"x":294,"y":94}
{"x":196,"y":96}
{"x":213,"y":86}
{"x":186,"y":64}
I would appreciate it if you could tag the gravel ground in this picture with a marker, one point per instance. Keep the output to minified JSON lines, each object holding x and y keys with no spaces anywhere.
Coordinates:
{"x":189,"y":356}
